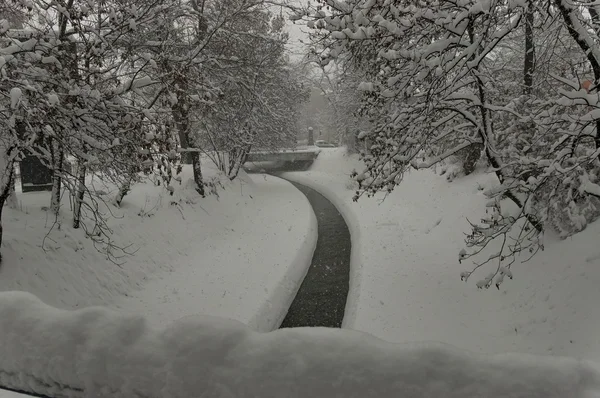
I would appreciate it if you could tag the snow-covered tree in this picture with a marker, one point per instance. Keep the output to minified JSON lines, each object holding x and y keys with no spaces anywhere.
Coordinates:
{"x":339,"y":87}
{"x":257,"y":84}
{"x":112,"y":90}
{"x":67,"y":80}
{"x":511,"y":81}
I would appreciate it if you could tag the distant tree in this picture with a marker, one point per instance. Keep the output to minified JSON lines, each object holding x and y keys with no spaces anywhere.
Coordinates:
{"x":338,"y":86}
{"x":256,"y":84}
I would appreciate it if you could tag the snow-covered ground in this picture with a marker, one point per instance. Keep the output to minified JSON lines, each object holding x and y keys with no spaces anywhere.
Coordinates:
{"x":11,"y":394}
{"x":405,"y":283}
{"x":241,"y":255}
{"x":243,"y":262}
{"x":94,"y":352}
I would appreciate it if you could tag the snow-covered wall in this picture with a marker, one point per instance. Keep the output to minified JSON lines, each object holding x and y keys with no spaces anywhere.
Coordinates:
{"x":95,"y":352}
{"x":273,"y":311}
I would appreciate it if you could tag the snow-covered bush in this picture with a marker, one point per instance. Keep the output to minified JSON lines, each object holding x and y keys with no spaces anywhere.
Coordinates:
{"x":564,"y":205}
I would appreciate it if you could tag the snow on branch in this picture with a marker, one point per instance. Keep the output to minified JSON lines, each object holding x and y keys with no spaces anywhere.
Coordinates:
{"x":589,"y":187}
{"x":437,"y":159}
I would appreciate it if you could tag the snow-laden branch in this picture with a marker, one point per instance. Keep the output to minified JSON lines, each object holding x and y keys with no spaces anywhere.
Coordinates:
{"x":437,"y":159}
{"x":588,"y":186}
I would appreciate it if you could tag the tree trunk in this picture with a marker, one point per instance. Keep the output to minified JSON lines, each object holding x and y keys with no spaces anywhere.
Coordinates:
{"x":486,"y":134}
{"x":126,"y":186}
{"x":529,"y":64}
{"x":11,"y":200}
{"x":472,"y":153}
{"x":122,"y":192}
{"x":238,"y":159}
{"x":79,"y":194}
{"x":184,"y":143}
{"x":471,"y":156}
{"x":56,"y":148}
{"x":180,"y":112}
{"x":181,"y":115}
{"x":8,"y":181}
{"x":57,"y":165}
{"x":197,"y":168}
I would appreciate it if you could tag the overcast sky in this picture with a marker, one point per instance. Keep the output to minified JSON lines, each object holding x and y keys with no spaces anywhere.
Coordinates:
{"x":297,"y":35}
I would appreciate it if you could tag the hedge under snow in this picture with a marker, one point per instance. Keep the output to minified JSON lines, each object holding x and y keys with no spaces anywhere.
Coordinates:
{"x":96,"y":352}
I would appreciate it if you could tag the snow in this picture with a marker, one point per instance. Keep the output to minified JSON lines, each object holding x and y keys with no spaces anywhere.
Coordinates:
{"x":53,"y":99}
{"x":588,"y":186}
{"x":247,"y":268}
{"x":184,"y":316}
{"x":15,"y":97}
{"x":51,"y":60}
{"x":241,"y":255}
{"x":97,"y":352}
{"x":405,"y":279}
{"x":4,"y":25}
{"x":366,"y":86}
{"x":11,"y":394}
{"x":134,"y":84}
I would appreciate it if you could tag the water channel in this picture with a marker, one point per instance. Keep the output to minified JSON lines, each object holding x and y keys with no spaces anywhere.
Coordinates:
{"x":321,"y":299}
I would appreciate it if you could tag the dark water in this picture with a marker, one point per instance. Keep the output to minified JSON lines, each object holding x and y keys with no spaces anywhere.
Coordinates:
{"x":273,"y":167}
{"x":321,"y":299}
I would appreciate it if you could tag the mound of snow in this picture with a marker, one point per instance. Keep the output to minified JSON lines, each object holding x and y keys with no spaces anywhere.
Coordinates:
{"x":11,"y":394}
{"x":241,"y":254}
{"x":405,"y":283}
{"x":96,"y":352}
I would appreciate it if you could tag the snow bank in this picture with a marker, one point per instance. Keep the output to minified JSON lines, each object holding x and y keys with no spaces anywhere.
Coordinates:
{"x":405,"y":282}
{"x":11,"y":394}
{"x":240,"y":255}
{"x":246,"y":261}
{"x":275,"y":308}
{"x":99,"y":353}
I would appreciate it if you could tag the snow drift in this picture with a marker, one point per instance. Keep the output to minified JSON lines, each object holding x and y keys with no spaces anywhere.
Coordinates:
{"x":405,"y":283}
{"x":240,"y":254}
{"x":95,"y":352}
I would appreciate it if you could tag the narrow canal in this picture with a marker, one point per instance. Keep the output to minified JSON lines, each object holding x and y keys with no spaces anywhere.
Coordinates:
{"x":321,"y":299}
